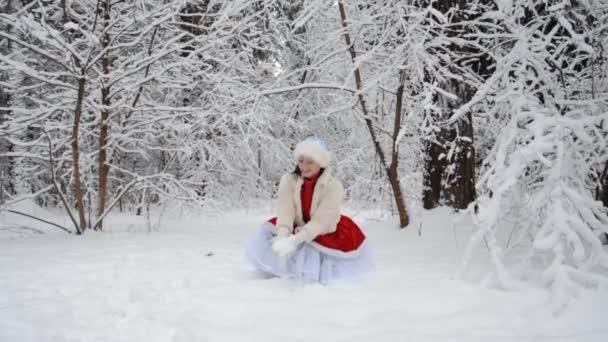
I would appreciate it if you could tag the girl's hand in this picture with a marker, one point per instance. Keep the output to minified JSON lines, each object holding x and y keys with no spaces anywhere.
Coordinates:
{"x":285,"y":247}
{"x":282,"y":232}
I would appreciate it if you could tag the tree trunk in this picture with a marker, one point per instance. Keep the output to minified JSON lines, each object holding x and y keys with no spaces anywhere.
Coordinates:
{"x":456,"y":186}
{"x":602,"y":189}
{"x":6,"y":164}
{"x":432,"y":175}
{"x":76,"y":155}
{"x":391,"y":170}
{"x":64,"y":6}
{"x":103,"y":167}
{"x":462,"y":182}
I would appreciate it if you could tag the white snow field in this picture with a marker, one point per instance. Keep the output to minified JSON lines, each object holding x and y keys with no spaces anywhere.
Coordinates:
{"x":190,"y":282}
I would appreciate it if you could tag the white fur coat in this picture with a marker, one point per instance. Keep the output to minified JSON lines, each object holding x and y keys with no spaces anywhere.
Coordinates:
{"x":324,"y":210}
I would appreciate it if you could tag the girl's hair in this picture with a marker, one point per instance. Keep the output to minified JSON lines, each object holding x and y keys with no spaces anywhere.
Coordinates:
{"x":298,"y":172}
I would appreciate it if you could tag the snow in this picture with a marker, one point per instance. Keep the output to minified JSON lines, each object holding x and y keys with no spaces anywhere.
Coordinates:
{"x":190,"y":282}
{"x":70,"y":26}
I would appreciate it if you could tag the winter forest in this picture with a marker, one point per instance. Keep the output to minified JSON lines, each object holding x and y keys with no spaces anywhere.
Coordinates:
{"x":471,"y":131}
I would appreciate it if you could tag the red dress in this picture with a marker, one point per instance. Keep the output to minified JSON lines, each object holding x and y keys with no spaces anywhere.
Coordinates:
{"x":347,"y":237}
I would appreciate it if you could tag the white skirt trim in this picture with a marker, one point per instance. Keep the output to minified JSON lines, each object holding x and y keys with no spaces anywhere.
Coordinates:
{"x":310,"y":262}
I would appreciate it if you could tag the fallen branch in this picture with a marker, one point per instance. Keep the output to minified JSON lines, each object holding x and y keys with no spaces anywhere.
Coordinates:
{"x":36,"y":218}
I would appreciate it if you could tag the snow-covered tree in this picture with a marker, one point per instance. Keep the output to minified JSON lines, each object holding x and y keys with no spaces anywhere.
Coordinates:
{"x":549,"y":126}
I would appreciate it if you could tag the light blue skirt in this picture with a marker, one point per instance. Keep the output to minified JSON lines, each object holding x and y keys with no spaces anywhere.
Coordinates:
{"x":310,"y":263}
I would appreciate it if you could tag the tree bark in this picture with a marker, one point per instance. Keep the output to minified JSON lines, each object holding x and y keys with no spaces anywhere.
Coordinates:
{"x":453,"y":179}
{"x":103,"y":167}
{"x":432,"y":175}
{"x":602,"y":189}
{"x":391,"y":170}
{"x":463,"y":179}
{"x":6,"y":164}
{"x":76,"y":155}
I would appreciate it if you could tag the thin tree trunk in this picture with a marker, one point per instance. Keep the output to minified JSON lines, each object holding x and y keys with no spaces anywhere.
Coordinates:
{"x":90,"y":201}
{"x":64,"y":5}
{"x":391,"y":170}
{"x":76,"y":155}
{"x":103,"y":167}
{"x":602,"y":189}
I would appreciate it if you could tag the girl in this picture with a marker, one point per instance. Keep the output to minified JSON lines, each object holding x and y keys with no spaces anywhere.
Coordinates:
{"x":309,"y":239}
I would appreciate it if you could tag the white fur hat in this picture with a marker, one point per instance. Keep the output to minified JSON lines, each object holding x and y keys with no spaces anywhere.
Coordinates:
{"x":315,"y":149}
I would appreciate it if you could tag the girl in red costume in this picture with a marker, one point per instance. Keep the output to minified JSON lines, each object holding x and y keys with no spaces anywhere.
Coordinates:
{"x":309,"y":239}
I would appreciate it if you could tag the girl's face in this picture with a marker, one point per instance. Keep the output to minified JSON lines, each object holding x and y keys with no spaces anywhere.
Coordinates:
{"x":308,"y":167}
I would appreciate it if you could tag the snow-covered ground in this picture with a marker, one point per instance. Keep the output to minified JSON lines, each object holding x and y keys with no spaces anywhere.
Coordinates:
{"x":190,"y":282}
